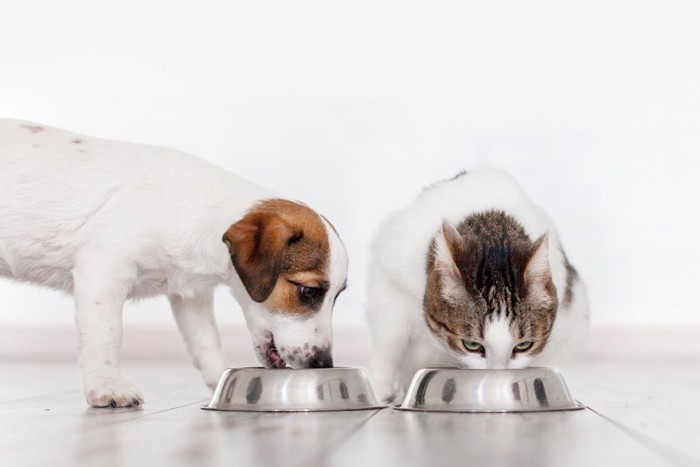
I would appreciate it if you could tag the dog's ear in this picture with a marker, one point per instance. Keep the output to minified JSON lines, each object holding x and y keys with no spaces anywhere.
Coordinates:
{"x":257,"y":244}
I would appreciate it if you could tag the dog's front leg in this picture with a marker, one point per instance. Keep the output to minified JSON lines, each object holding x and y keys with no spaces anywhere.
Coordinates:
{"x":100,"y":293}
{"x":195,"y":319}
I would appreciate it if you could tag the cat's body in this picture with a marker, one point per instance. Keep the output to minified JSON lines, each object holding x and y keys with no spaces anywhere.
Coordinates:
{"x":472,"y":275}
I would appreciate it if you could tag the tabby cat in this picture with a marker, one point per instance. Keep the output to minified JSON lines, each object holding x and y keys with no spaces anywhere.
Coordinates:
{"x":472,"y":275}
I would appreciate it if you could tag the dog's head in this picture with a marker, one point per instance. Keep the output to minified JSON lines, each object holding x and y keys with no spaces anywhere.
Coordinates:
{"x":293,"y":266}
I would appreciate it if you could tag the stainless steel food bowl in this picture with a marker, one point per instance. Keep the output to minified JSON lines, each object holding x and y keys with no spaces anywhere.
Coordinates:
{"x":286,"y":390}
{"x":454,"y":390}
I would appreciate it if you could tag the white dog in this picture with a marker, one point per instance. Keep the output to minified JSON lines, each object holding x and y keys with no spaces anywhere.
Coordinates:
{"x":107,"y":221}
{"x":471,"y":275}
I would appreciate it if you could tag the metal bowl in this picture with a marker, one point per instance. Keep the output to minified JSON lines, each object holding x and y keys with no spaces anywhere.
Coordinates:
{"x":287,"y":390}
{"x":454,"y":390}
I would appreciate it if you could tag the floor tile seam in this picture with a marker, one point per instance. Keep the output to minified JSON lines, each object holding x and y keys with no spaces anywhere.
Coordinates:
{"x":106,"y":423}
{"x":149,"y":414}
{"x":323,"y":456}
{"x":666,"y":452}
{"x":69,"y":458}
{"x":42,"y":396}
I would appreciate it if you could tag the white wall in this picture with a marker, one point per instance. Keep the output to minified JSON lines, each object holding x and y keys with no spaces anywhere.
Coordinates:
{"x":354,"y":106}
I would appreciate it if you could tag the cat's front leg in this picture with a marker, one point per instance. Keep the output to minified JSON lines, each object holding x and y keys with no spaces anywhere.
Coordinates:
{"x":387,"y":377}
{"x":390,"y":314}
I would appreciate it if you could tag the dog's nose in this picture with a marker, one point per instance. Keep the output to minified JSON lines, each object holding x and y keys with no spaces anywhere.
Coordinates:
{"x":322,"y":360}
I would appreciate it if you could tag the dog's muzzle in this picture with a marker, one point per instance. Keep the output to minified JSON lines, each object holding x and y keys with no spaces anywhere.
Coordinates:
{"x":322,"y":359}
{"x":305,"y":356}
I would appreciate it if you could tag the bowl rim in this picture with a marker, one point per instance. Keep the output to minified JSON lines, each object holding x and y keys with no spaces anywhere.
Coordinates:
{"x":275,"y":370}
{"x":406,"y":406}
{"x":578,"y":406}
{"x":331,"y":406}
{"x":294,"y":410}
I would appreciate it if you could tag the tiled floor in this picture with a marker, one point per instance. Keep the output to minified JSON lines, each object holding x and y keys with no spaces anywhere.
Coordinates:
{"x":640,"y":387}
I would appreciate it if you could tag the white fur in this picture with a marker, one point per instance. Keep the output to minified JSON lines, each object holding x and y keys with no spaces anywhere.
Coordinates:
{"x":397,"y":279}
{"x":107,"y":221}
{"x":498,"y":342}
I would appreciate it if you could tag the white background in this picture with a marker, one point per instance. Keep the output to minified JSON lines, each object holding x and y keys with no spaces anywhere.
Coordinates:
{"x":353,"y":107}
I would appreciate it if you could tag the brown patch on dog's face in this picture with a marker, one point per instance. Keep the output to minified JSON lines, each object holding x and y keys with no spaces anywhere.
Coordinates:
{"x":280,"y":251}
{"x":303,"y":282}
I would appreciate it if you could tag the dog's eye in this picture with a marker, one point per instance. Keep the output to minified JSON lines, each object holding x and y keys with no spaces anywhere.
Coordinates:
{"x":308,"y":294}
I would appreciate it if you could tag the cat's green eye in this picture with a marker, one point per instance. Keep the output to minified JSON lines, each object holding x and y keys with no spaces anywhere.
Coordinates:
{"x":523,"y":346}
{"x":472,"y":346}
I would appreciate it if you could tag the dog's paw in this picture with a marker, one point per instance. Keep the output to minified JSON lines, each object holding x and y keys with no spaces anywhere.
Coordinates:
{"x":211,"y":369}
{"x":211,"y":381}
{"x":112,"y":392}
{"x":211,"y":377}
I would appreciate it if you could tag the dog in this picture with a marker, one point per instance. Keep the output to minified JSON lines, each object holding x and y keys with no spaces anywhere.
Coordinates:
{"x":472,"y":275}
{"x":108,"y":221}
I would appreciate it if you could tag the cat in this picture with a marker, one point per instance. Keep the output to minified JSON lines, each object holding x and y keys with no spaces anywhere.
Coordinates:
{"x":470,"y":275}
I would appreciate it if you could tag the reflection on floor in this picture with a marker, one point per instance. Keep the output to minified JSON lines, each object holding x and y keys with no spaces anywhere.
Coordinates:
{"x":640,"y":387}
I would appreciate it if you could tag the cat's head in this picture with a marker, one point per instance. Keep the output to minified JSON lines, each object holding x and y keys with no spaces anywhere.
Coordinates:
{"x":489,"y":298}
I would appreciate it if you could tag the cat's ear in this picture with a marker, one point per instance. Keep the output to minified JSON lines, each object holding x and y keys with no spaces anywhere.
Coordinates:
{"x":450,"y":253}
{"x":537,"y":269}
{"x":538,"y":275}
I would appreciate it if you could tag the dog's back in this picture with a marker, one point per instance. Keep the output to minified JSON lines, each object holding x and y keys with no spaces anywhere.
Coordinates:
{"x":63,"y":192}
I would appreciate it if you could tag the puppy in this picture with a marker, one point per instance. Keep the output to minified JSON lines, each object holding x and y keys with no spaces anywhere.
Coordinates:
{"x":470,"y":275}
{"x":108,"y":221}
